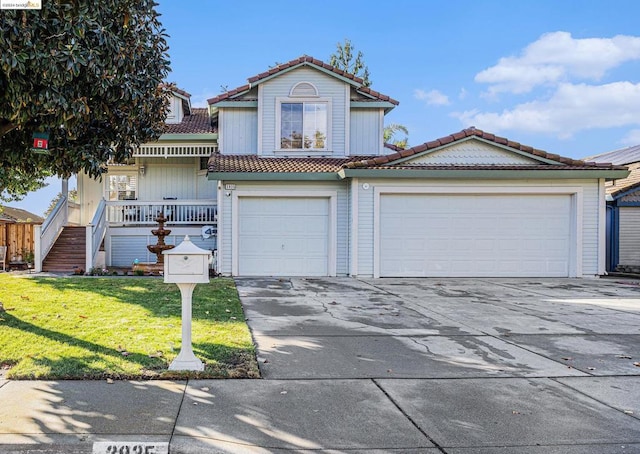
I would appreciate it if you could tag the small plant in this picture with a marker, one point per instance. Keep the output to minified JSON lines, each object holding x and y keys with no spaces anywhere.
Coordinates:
{"x":97,"y":271}
{"x":138,"y":272}
{"x":28,"y":255}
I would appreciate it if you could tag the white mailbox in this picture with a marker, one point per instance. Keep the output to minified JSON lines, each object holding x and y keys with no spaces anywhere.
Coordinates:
{"x":186,"y":263}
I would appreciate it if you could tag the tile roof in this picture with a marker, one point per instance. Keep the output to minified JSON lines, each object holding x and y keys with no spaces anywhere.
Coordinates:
{"x":303,"y":60}
{"x":181,"y":92}
{"x":196,"y":123}
{"x":613,"y":188}
{"x":252,"y":163}
{"x":470,"y":132}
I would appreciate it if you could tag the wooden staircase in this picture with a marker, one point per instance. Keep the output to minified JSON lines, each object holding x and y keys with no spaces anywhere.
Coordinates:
{"x":68,"y":252}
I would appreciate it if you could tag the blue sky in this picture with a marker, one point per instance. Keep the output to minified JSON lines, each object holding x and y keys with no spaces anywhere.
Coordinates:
{"x":562,"y":76}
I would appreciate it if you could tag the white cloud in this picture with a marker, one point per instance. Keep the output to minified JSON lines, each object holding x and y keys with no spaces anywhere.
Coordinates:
{"x":433,"y":97}
{"x":631,"y":138}
{"x":572,"y":108}
{"x":557,"y":57}
{"x":463,"y":93}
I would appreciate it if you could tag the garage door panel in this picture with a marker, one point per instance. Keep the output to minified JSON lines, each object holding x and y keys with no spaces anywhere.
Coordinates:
{"x":474,"y":235}
{"x":283,"y":236}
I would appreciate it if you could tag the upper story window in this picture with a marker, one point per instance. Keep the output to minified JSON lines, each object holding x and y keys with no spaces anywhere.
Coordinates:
{"x":303,"y":125}
{"x":303,"y":119}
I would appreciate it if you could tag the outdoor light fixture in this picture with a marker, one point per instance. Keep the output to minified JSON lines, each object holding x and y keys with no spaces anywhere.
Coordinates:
{"x":142,"y":170}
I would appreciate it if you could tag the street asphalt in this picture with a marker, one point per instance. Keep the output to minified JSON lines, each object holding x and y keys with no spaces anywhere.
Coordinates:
{"x":458,"y":366}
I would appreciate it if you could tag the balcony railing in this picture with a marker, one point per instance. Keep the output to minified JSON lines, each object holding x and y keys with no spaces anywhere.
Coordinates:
{"x":175,"y":151}
{"x":177,"y":212}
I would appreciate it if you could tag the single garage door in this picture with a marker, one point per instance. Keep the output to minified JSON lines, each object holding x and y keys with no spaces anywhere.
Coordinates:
{"x":468,"y":235}
{"x":282,"y":236}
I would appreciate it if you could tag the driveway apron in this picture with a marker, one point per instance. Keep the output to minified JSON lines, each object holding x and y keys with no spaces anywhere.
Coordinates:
{"x":473,"y":365}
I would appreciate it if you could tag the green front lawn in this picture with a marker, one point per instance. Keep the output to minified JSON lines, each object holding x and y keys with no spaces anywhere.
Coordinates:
{"x":117,"y":327}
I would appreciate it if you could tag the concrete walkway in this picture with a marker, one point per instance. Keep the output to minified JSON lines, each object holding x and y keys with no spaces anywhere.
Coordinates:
{"x":387,"y":365}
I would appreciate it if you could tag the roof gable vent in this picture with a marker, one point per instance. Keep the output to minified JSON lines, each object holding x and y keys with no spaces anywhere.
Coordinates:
{"x":303,"y":90}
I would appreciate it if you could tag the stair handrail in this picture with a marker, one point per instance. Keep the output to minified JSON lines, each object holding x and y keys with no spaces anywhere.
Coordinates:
{"x":47,"y":233}
{"x":96,"y":231}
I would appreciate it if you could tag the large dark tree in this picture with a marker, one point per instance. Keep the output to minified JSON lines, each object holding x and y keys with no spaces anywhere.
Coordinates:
{"x":88,"y":73}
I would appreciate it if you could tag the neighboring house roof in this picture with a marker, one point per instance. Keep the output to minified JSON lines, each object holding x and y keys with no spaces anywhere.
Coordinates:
{"x":10,"y":214}
{"x":304,"y":60}
{"x":624,"y":185}
{"x":619,"y":157}
{"x":540,"y":160}
{"x":196,"y":123}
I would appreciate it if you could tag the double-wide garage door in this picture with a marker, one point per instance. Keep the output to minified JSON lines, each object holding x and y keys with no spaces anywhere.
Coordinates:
{"x":283,"y":236}
{"x":468,"y":235}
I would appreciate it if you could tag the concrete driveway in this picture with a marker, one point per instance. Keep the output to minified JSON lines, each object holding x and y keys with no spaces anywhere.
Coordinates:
{"x":471,"y":365}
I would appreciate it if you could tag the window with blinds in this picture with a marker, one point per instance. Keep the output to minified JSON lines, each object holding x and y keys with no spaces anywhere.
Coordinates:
{"x":123,"y":187}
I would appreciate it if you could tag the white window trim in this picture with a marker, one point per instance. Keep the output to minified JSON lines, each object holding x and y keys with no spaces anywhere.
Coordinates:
{"x":124,"y":170}
{"x":293,"y":90}
{"x":333,"y":222}
{"x":302,"y":151}
{"x":577,"y":205}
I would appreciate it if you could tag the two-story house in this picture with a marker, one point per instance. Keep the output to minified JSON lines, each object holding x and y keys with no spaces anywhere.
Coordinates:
{"x":292,"y":171}
{"x":307,"y":187}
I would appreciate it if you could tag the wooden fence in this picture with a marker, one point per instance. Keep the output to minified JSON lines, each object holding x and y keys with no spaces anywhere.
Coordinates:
{"x":18,"y":237}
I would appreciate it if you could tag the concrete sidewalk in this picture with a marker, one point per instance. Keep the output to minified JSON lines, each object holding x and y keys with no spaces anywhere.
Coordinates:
{"x":401,"y":366}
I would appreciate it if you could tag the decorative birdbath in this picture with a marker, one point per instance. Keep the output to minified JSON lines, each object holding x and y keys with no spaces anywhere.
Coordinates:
{"x":157,"y":248}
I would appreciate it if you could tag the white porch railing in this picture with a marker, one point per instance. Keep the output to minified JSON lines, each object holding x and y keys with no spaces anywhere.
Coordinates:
{"x":172,"y":151}
{"x":95,"y":234}
{"x":177,"y":212}
{"x":47,"y":233}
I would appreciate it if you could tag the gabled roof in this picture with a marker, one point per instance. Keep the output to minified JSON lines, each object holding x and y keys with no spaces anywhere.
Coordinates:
{"x":464,"y":134}
{"x":624,"y":185}
{"x":181,"y":92}
{"x":10,"y":214}
{"x":542,"y":165}
{"x":619,"y":157}
{"x":196,"y":123}
{"x":304,"y":60}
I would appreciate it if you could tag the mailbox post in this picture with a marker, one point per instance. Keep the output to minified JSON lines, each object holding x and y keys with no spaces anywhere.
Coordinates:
{"x":186,"y":265}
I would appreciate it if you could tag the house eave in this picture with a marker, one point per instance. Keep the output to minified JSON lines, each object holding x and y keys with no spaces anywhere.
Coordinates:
{"x":273,"y":176}
{"x":188,"y":137}
{"x":387,"y":106}
{"x":493,"y":174}
{"x":236,"y":104}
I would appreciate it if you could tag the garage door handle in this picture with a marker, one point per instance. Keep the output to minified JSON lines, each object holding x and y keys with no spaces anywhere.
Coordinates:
{"x":283,"y":247}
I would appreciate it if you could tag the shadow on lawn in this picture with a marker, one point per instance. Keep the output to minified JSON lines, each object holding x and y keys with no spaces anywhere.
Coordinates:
{"x":80,"y":367}
{"x":220,"y":361}
{"x":217,"y":301}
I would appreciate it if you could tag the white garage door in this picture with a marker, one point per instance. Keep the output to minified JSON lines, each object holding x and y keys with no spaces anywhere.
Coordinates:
{"x":282,"y":236}
{"x":475,"y":235}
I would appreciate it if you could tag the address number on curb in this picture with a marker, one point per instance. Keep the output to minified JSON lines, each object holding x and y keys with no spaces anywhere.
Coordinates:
{"x":129,"y":447}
